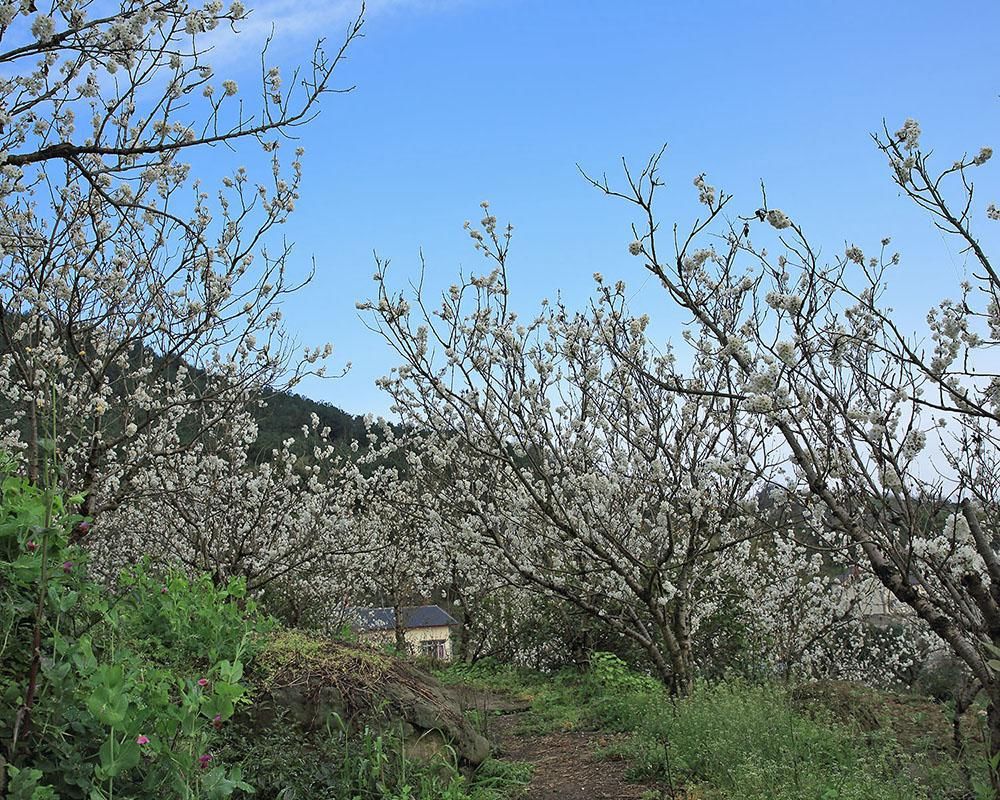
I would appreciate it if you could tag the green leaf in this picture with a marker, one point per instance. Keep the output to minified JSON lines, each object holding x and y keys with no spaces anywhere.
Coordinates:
{"x":83,"y":658}
{"x":218,"y":785}
{"x":56,"y":673}
{"x":128,"y":755}
{"x":231,"y":672}
{"x":113,"y":676}
{"x":117,"y":757}
{"x":218,"y":705}
{"x":68,"y":600}
{"x":231,"y":691}
{"x":108,"y":705}
{"x":24,"y":785}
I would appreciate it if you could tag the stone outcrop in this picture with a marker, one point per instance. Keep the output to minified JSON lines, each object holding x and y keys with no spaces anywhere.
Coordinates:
{"x":309,"y":681}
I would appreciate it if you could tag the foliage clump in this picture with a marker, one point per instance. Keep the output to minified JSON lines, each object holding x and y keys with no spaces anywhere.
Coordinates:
{"x":117,"y":693}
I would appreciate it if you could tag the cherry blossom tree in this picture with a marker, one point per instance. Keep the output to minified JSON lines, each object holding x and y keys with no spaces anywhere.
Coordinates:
{"x":407,"y":549}
{"x":566,"y":447}
{"x":285,"y":526}
{"x":139,"y":308}
{"x":802,"y":616}
{"x":140,"y":319}
{"x":891,"y":433}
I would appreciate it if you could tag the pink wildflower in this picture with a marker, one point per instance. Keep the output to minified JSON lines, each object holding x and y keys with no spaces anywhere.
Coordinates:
{"x":32,"y":546}
{"x":203,"y":759}
{"x":67,"y":567}
{"x":142,"y":739}
{"x":203,"y":682}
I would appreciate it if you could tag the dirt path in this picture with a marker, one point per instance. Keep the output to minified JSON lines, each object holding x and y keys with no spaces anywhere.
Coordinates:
{"x":564,"y":764}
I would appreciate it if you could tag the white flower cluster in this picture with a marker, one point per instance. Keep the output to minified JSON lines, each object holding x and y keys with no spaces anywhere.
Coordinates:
{"x":952,"y":552}
{"x":706,"y":193}
{"x":913,"y":443}
{"x":778,"y":219}
{"x":784,"y":301}
{"x":909,"y":134}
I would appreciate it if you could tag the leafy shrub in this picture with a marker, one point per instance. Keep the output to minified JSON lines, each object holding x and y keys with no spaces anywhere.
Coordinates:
{"x":490,"y":674}
{"x":190,"y":621}
{"x":614,"y":676}
{"x":110,"y":694}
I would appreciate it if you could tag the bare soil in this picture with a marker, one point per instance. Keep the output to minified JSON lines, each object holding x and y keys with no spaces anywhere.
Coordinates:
{"x":565,"y":766}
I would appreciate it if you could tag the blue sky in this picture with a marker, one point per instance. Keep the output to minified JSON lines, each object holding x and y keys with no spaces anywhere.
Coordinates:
{"x":459,"y":101}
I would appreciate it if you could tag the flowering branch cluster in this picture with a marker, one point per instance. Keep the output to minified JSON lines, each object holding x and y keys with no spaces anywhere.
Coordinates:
{"x":891,"y":437}
{"x":564,"y":448}
{"x":282,"y":526}
{"x":140,"y":321}
{"x":139,"y":310}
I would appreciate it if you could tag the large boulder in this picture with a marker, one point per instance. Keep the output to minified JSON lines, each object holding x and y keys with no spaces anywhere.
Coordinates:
{"x":309,"y":680}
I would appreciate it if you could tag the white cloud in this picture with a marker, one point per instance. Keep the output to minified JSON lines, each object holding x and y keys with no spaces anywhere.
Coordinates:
{"x":296,"y":24}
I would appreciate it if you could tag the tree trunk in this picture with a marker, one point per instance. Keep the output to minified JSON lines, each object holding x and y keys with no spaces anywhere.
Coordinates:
{"x":465,"y":650}
{"x":684,"y":660}
{"x":675,"y":633}
{"x":465,"y":620}
{"x":397,"y":613}
{"x":963,"y":700}
{"x":993,"y":743}
{"x":677,"y":672}
{"x":683,"y":681}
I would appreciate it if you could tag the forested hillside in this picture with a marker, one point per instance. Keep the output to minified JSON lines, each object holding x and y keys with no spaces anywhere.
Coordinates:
{"x":286,"y":412}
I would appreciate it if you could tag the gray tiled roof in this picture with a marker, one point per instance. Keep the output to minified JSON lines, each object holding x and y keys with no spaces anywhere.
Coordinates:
{"x":384,"y":619}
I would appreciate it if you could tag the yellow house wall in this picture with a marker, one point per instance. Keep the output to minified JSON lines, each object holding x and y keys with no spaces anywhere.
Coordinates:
{"x":413,"y":636}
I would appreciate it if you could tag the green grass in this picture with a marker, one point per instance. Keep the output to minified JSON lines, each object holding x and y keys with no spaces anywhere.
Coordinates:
{"x":284,"y":762}
{"x":492,"y":675}
{"x":499,"y":780}
{"x":921,"y":727}
{"x":739,"y":741}
{"x":743,"y":742}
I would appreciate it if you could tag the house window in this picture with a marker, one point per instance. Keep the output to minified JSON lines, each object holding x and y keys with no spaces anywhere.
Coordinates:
{"x":433,"y":648}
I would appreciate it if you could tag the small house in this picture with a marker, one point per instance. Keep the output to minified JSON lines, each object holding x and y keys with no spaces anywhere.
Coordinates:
{"x":426,"y":629}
